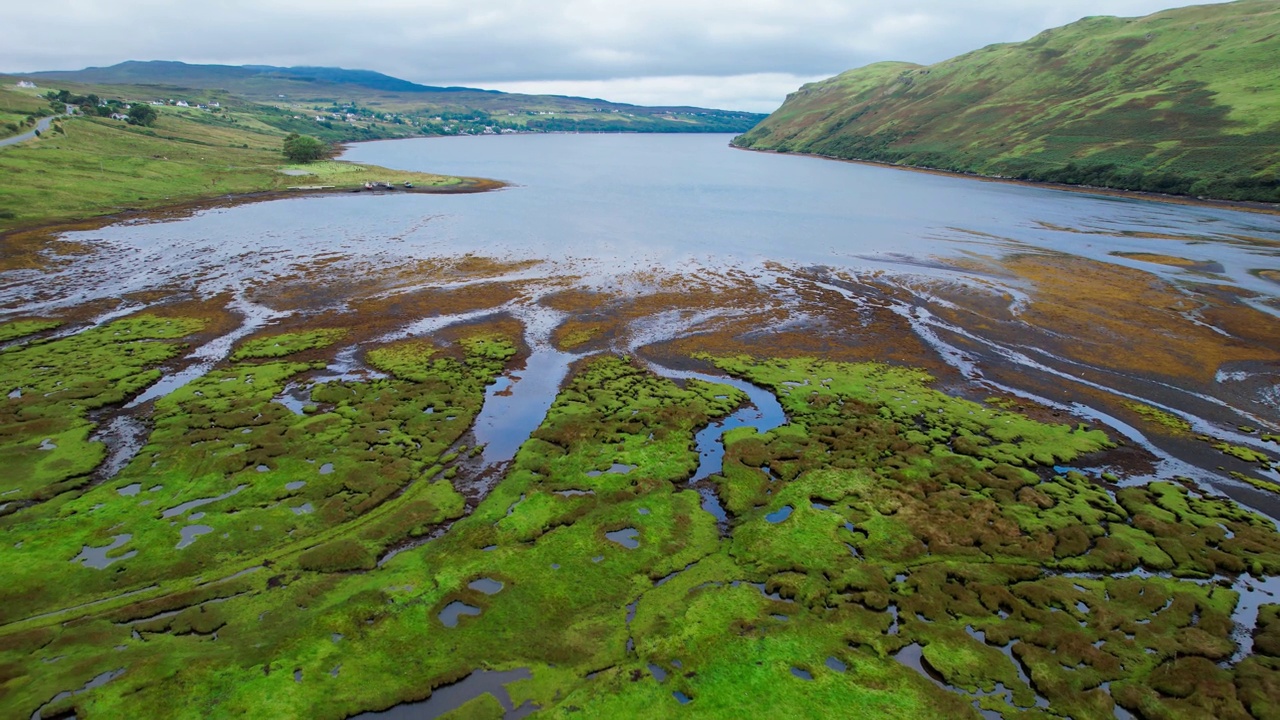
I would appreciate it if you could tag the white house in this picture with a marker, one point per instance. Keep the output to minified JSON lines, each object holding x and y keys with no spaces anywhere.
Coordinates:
{"x":26,"y":84}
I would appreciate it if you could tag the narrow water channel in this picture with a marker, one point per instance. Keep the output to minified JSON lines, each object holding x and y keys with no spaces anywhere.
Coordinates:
{"x":762,"y":411}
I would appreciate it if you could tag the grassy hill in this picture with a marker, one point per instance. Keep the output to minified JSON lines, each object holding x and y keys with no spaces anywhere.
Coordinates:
{"x":87,"y":166}
{"x":405,"y":108}
{"x":1185,"y":101}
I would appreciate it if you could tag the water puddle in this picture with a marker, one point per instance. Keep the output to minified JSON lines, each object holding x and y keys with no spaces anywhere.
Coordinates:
{"x":124,"y":437}
{"x":296,"y":398}
{"x":913,"y":657}
{"x":835,"y":664}
{"x":488,"y":586}
{"x":97,"y":682}
{"x":130,"y":490}
{"x":627,"y":537}
{"x":1253,"y":593}
{"x":190,"y":533}
{"x":780,"y":514}
{"x":979,"y":635}
{"x":895,"y":624}
{"x":711,"y":504}
{"x":193,"y":504}
{"x":802,"y":674}
{"x":616,"y":469}
{"x":295,"y":485}
{"x":96,"y":557}
{"x":452,"y":612}
{"x":304,"y":509}
{"x":451,"y":697}
{"x":345,"y":368}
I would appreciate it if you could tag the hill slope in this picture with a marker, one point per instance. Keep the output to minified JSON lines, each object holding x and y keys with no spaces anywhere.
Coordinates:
{"x":305,"y":90}
{"x":1184,"y":101}
{"x":86,"y":165}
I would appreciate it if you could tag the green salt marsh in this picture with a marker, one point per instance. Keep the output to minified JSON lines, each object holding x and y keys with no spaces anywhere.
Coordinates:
{"x":919,"y":521}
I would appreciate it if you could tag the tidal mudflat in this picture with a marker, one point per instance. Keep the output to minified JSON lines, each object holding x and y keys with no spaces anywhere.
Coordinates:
{"x":662,"y":428}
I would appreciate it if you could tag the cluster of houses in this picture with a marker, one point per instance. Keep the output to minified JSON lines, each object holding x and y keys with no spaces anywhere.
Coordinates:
{"x":183,"y":103}
{"x":27,"y":84}
{"x":161,"y":103}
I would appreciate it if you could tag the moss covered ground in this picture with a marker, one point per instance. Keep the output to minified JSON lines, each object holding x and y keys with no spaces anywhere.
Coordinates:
{"x":245,"y":564}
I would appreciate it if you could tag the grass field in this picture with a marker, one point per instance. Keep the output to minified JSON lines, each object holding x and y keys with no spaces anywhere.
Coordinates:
{"x":1184,"y":101}
{"x":96,"y":166}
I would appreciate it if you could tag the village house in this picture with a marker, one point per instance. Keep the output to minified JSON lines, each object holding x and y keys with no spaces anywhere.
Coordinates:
{"x":26,"y":84}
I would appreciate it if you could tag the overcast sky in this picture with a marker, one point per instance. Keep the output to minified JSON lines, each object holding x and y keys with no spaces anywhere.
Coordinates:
{"x":739,"y":54}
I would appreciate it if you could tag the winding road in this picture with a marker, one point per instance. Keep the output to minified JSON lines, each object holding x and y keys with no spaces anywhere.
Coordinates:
{"x":40,"y":127}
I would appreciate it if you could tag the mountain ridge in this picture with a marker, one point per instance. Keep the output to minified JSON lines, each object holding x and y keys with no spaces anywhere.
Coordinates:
{"x":261,"y":82}
{"x":167,"y":72}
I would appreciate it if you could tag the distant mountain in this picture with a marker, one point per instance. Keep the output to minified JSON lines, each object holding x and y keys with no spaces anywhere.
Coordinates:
{"x":311,"y":87}
{"x":232,"y":77}
{"x":1185,"y":101}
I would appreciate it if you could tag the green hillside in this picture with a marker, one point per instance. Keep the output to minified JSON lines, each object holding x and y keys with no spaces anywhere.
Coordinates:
{"x":400,"y":107}
{"x":85,"y":166}
{"x":1185,"y":101}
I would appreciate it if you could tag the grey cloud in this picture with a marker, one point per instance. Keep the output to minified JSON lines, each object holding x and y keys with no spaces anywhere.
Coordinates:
{"x":524,"y":41}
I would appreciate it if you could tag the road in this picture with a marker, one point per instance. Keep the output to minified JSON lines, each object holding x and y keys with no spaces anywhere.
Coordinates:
{"x":41,"y":127}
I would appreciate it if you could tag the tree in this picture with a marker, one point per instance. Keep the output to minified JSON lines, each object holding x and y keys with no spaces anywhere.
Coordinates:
{"x":142,"y":114}
{"x":305,"y":149}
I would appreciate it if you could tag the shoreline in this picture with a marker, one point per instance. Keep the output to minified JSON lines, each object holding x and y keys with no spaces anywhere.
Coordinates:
{"x":1241,"y":205}
{"x":468,"y":186}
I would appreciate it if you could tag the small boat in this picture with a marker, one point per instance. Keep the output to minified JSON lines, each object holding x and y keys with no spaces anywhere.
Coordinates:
{"x":408,"y":184}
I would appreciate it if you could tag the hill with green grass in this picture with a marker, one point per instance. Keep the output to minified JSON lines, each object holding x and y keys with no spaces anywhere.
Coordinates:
{"x":86,"y":165}
{"x":320,"y":96}
{"x":1185,"y":101}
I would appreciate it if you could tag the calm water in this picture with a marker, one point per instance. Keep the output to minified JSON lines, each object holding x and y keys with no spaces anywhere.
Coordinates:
{"x":612,"y":204}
